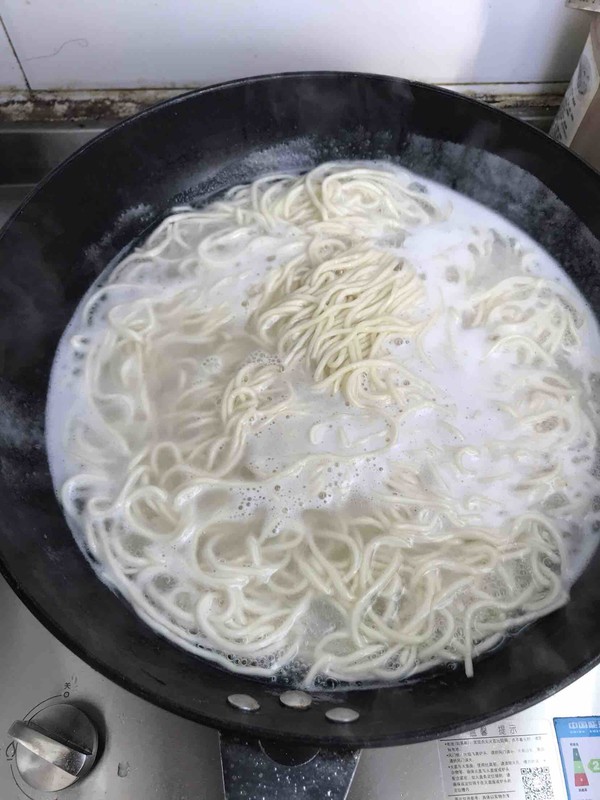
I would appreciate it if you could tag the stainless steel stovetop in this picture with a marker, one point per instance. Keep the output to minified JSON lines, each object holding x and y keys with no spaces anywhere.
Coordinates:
{"x":149,"y":754}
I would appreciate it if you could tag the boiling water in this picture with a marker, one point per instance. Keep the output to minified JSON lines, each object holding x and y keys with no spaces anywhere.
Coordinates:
{"x":349,"y":457}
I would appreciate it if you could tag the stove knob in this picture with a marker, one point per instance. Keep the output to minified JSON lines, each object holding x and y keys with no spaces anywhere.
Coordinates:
{"x":55,"y":748}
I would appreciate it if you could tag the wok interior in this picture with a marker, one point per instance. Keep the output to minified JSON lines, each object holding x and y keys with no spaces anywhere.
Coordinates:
{"x":186,"y":151}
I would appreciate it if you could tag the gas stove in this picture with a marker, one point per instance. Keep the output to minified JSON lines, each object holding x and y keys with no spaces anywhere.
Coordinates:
{"x":140,"y":752}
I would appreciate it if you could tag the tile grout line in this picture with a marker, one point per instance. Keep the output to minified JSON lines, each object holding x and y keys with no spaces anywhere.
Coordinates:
{"x":12,"y":47}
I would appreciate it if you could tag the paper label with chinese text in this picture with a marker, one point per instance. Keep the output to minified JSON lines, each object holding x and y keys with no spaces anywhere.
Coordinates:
{"x":510,"y":760}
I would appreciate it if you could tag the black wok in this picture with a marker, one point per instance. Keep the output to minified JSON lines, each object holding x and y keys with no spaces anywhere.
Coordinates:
{"x":185,"y":150}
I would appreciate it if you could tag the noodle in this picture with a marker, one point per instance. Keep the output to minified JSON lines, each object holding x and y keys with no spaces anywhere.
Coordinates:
{"x":225,"y":410}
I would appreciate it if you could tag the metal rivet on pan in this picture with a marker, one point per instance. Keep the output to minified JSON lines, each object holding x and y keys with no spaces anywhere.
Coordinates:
{"x":299,"y":700}
{"x":243,"y":702}
{"x":342,"y":715}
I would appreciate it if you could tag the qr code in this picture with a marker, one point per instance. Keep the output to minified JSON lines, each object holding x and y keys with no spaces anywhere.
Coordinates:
{"x":537,"y":783}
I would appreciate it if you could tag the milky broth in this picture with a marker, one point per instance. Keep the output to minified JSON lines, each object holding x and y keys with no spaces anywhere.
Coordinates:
{"x":348,"y":464}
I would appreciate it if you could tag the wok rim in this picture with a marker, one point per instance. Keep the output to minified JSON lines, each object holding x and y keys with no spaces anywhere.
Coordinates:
{"x":249,"y":724}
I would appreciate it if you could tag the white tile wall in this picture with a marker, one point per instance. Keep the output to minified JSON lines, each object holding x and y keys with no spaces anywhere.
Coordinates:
{"x":70,"y":44}
{"x":11,"y":76}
